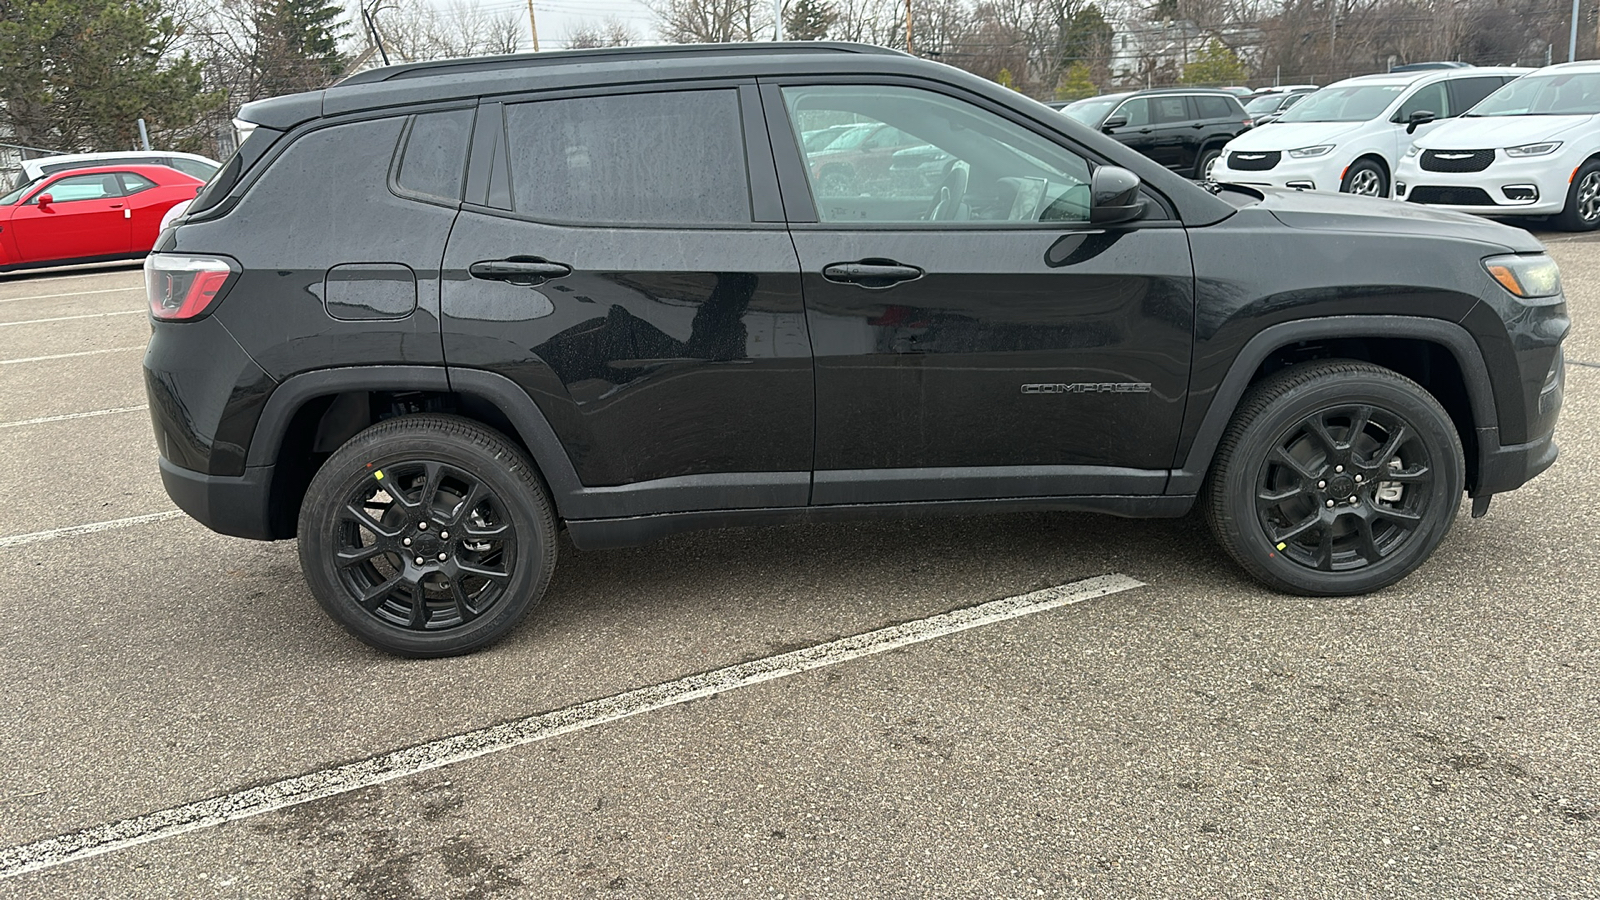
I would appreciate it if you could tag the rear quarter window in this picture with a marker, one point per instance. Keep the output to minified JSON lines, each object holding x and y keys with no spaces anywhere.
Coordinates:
{"x":669,"y":158}
{"x":1217,"y":107}
{"x":433,"y":162}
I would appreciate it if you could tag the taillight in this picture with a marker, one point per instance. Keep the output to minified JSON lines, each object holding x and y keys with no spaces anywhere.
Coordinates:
{"x":182,"y":287}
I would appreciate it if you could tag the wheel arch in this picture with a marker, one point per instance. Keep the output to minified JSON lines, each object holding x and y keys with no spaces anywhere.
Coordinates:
{"x":1469,"y":399}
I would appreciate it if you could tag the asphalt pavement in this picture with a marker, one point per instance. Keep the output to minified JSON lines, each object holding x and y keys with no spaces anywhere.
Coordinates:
{"x":173,"y":697}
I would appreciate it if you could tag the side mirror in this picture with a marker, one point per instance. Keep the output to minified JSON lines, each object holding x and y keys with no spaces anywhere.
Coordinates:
{"x":1419,"y":118}
{"x":1114,"y":122}
{"x":45,"y":199}
{"x":1114,"y":196}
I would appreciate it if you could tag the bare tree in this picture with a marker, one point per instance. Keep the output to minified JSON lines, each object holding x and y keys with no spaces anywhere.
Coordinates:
{"x":712,"y":21}
{"x":610,"y":32}
{"x":416,"y":31}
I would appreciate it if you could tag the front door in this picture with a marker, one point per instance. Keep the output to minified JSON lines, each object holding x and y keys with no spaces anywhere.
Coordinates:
{"x":629,"y":270}
{"x":974,"y":337}
{"x":86,"y":217}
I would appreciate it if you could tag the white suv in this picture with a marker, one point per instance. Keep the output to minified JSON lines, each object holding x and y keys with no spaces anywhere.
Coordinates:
{"x":1350,"y":135}
{"x":1531,"y":148}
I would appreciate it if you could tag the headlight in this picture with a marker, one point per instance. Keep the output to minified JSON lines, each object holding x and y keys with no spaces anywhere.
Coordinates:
{"x":1319,"y":150}
{"x":1544,"y":149}
{"x":1412,"y":150}
{"x":1526,"y":276}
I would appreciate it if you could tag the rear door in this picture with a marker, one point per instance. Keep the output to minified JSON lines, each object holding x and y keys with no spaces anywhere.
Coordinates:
{"x":975,"y":338}
{"x":1173,"y":143}
{"x":622,"y":257}
{"x":87,"y":217}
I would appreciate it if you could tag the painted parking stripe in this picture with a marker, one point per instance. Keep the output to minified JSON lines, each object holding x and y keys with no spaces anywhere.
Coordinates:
{"x":125,"y":312}
{"x":68,"y":416}
{"x":29,"y":359}
{"x":17,"y":540}
{"x":214,"y":811}
{"x":71,"y":294}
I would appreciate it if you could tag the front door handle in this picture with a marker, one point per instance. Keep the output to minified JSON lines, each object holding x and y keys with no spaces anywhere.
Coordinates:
{"x":519,"y":271}
{"x":871,"y":273}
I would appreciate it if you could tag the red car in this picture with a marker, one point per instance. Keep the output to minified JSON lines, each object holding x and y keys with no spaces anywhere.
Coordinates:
{"x":89,"y":215}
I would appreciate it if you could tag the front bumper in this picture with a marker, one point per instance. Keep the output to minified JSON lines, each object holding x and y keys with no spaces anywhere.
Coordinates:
{"x":1321,"y":173}
{"x":1504,"y":186}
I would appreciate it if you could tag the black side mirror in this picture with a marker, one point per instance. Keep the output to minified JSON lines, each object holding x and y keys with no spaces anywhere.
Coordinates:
{"x":1114,"y":122}
{"x":1420,"y":117}
{"x":1114,"y":196}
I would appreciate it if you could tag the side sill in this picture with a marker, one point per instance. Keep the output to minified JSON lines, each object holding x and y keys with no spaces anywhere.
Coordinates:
{"x":599,"y":534}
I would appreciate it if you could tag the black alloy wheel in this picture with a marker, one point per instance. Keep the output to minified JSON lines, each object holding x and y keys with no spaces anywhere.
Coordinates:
{"x":427,"y":536}
{"x":1335,"y":478}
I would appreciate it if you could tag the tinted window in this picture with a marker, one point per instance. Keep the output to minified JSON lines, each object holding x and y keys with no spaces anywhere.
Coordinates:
{"x":87,"y":163}
{"x":1215,"y":108}
{"x":1090,"y":112}
{"x":962,"y":166}
{"x":435,"y":157}
{"x":200,"y":170}
{"x":1556,"y":94}
{"x":1137,"y":110}
{"x":1468,"y":91}
{"x":1431,"y":98}
{"x":1169,"y":109}
{"x":82,"y":187}
{"x":133,"y":184}
{"x":661,"y":158}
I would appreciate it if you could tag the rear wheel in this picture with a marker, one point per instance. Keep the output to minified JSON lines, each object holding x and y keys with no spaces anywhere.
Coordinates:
{"x":1207,"y":162}
{"x":427,"y":536}
{"x":1582,"y":212}
{"x":1366,"y":178}
{"x":1335,"y":478}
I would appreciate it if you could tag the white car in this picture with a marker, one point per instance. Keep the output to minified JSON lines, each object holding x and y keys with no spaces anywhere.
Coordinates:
{"x":192,"y":164}
{"x":1349,"y":136}
{"x":1531,"y":148}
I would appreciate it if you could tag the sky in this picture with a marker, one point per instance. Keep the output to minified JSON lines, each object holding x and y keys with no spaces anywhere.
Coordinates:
{"x":558,"y":17}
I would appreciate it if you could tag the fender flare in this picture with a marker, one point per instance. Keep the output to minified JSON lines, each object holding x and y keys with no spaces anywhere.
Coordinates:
{"x":1454,"y":338}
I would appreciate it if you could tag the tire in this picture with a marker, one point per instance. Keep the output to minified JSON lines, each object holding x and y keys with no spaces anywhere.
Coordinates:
{"x":1366,"y":177}
{"x":1280,"y":490}
{"x":1582,"y":212}
{"x":1205,"y":163}
{"x":836,"y":182}
{"x":387,"y":518}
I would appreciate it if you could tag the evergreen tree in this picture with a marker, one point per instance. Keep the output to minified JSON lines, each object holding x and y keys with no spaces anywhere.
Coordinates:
{"x":1215,"y":65}
{"x":1004,"y":78}
{"x":297,"y":46}
{"x":79,"y":74}
{"x":808,"y":20}
{"x":1077,"y":84}
{"x":1086,"y":37}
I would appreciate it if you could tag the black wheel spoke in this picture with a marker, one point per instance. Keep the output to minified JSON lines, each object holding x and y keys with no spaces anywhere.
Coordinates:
{"x":1299,"y":528}
{"x":1358,"y":423}
{"x":1282,"y":457}
{"x":492,"y":575}
{"x":1273,"y":498}
{"x":1319,"y":430}
{"x":432,"y":475}
{"x":475,"y":495}
{"x":484,"y":532}
{"x":1418,"y":475}
{"x":463,"y":603}
{"x":352,"y":555}
{"x":365,"y":520}
{"x":1325,"y":550}
{"x":374,"y":596}
{"x":1390,"y":447}
{"x":419,"y":607}
{"x":1368,"y":546}
{"x":1406,"y":520}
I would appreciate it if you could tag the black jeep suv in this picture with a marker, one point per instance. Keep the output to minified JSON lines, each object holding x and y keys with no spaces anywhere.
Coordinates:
{"x":1184,"y":129}
{"x":427,"y":318}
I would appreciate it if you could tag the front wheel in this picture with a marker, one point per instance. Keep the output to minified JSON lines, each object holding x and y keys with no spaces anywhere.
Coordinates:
{"x":427,"y":536}
{"x":1365,"y":178}
{"x":1335,"y":478}
{"x":1582,"y":212}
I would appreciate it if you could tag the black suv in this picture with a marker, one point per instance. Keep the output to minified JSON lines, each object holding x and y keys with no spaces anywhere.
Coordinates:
{"x":428,"y":318}
{"x":1181,"y":128}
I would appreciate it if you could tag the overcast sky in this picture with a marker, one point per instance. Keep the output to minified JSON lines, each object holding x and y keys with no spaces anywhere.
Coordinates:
{"x":558,"y":17}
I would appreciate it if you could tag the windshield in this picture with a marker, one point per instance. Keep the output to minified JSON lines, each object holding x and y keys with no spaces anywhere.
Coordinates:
{"x":1559,"y":94}
{"x":1356,"y":103}
{"x":816,"y":140}
{"x":1264,"y":104}
{"x":16,"y":195}
{"x":850,"y":139}
{"x":1091,"y":111}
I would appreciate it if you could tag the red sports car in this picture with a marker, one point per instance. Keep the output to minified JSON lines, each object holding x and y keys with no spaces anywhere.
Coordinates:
{"x":89,"y":215}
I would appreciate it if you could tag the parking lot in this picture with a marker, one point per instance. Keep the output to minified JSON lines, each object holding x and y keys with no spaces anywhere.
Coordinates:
{"x":1188,"y":735}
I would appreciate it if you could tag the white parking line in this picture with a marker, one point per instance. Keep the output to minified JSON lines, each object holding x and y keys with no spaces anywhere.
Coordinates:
{"x":83,"y":415}
{"x":29,"y":359}
{"x":70,"y":294}
{"x":17,"y":540}
{"x":126,"y":312}
{"x":177,"y":820}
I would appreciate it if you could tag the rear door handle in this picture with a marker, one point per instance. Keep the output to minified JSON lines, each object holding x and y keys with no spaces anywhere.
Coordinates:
{"x":519,"y":271}
{"x":871,"y":273}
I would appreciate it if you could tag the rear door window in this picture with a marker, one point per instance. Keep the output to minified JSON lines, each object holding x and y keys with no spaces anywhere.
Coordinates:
{"x":1466,"y":92}
{"x":670,"y":158}
{"x":434,"y":160}
{"x":1169,"y":110}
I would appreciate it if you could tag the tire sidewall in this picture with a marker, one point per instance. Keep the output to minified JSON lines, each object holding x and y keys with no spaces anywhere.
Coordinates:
{"x":1362,"y":165}
{"x":1422,"y":413}
{"x":1569,"y":219}
{"x":352,"y":464}
{"x":1205,"y":159}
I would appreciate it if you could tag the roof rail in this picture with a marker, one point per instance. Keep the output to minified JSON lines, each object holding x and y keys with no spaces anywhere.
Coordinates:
{"x":603,"y":54}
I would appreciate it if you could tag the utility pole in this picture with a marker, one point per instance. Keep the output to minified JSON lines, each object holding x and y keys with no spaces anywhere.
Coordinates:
{"x":777,"y":16}
{"x":908,"y":28}
{"x":533,"y":26}
{"x":1572,"y":39}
